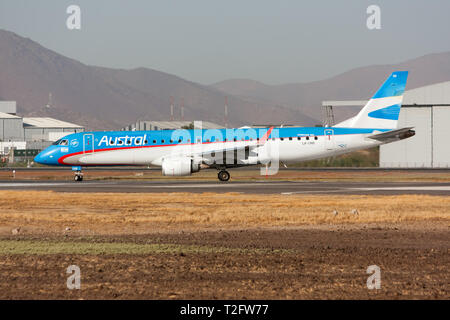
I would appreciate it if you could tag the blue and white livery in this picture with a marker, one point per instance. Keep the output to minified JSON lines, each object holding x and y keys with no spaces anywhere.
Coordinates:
{"x":183,"y":152}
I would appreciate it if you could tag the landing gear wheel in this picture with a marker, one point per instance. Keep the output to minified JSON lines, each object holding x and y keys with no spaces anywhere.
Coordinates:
{"x":78,"y":177}
{"x":223,"y":175}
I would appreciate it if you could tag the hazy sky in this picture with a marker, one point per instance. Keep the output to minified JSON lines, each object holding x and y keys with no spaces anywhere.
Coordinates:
{"x":208,"y":41}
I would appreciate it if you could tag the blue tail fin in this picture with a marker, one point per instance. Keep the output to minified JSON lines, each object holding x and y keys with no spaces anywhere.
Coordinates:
{"x":393,"y":86}
{"x":382,"y":111}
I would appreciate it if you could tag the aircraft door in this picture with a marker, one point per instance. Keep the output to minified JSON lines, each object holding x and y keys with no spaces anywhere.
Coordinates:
{"x":329,"y":139}
{"x":88,"y":143}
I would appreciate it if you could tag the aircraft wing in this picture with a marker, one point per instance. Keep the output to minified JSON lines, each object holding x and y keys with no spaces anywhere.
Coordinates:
{"x":234,"y":156}
{"x":393,"y":135}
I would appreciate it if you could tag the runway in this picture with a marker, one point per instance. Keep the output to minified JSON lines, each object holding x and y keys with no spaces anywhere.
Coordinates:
{"x":248,"y":187}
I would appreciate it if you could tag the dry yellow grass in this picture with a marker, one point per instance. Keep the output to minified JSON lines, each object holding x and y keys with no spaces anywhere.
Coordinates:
{"x":125,"y":213}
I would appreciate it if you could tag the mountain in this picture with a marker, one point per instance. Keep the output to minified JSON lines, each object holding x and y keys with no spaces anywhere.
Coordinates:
{"x":356,"y":84}
{"x":105,"y":98}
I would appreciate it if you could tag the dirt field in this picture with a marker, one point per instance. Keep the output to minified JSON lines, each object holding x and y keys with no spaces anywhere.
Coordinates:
{"x":223,"y":246}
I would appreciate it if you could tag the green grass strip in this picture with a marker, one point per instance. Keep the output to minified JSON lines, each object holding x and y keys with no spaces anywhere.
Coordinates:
{"x":10,"y":247}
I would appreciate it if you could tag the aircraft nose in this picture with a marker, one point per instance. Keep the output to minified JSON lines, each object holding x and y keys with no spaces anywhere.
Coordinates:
{"x":45,"y":157}
{"x":39,"y":158}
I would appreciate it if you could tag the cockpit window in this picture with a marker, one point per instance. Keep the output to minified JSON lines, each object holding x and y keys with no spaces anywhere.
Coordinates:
{"x":64,"y":142}
{"x":56,"y":142}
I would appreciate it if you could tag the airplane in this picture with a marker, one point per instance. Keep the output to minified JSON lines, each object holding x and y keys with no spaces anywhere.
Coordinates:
{"x":183,"y":152}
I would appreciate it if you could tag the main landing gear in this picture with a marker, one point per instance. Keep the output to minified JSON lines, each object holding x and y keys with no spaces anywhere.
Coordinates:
{"x":78,"y":174}
{"x":223,"y":175}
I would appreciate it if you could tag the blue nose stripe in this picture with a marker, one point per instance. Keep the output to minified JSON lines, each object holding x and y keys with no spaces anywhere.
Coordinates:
{"x":38,"y":158}
{"x":48,"y":156}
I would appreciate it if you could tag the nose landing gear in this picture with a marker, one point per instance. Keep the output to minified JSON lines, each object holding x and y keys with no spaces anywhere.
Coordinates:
{"x":223,"y":175}
{"x":78,"y":174}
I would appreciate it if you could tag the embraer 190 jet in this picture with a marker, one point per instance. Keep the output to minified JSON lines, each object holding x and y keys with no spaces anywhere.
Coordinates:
{"x":183,"y":152}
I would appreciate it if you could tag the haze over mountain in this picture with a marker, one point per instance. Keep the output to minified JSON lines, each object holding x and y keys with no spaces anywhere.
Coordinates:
{"x":356,"y":84}
{"x":105,"y":98}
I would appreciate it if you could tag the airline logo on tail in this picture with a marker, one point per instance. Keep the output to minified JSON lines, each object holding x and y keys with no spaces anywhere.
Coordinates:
{"x":389,"y":113}
{"x":382,"y":111}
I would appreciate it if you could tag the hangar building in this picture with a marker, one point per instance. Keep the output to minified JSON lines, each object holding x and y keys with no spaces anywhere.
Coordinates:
{"x":427,"y":109}
{"x":11,"y":127}
{"x":47,"y":129}
{"x":167,"y":125}
{"x":29,"y":133}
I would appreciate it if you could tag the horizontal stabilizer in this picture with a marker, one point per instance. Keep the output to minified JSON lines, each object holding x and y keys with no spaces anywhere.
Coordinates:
{"x":393,"y":135}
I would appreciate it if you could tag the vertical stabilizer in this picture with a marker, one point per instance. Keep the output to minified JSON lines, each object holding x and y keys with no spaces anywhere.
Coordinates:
{"x":383,"y":109}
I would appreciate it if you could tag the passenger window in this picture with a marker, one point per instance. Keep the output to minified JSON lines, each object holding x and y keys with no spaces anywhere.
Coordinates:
{"x":281,"y":139}
{"x":307,"y":138}
{"x":162,"y":141}
{"x":290,"y":138}
{"x":154,"y":141}
{"x":298,"y":138}
{"x":315,"y":138}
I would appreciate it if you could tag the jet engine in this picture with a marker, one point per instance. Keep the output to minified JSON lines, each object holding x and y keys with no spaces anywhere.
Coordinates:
{"x":179,"y":166}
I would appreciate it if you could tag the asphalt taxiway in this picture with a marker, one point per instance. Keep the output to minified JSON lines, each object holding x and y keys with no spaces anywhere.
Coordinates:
{"x":248,"y":187}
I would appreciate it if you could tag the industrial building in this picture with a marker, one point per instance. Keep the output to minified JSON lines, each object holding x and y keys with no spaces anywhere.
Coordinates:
{"x":427,"y":109}
{"x":167,"y":125}
{"x":11,"y":127}
{"x":22,"y":133}
{"x":47,"y":129}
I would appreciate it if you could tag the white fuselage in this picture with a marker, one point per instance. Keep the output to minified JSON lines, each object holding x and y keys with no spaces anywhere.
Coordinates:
{"x":287,"y":150}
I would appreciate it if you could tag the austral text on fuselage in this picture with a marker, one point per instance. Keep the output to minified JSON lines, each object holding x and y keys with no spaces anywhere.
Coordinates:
{"x":123,"y":140}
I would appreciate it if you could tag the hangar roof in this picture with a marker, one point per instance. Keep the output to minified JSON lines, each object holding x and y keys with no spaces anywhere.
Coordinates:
{"x":435,"y":94}
{"x":48,"y":123}
{"x":179,"y":124}
{"x":431,"y":95}
{"x":8,"y":116}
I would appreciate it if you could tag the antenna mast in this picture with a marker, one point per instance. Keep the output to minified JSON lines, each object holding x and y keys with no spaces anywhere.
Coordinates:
{"x":225,"y":119}
{"x":171,"y":108}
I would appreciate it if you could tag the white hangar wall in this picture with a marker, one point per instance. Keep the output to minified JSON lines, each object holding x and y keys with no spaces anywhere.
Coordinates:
{"x":414,"y":152}
{"x":427,"y":109}
{"x":441,"y":137}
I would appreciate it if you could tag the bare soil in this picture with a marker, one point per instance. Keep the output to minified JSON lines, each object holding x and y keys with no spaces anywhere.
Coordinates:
{"x":313,"y":264}
{"x":185,"y":246}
